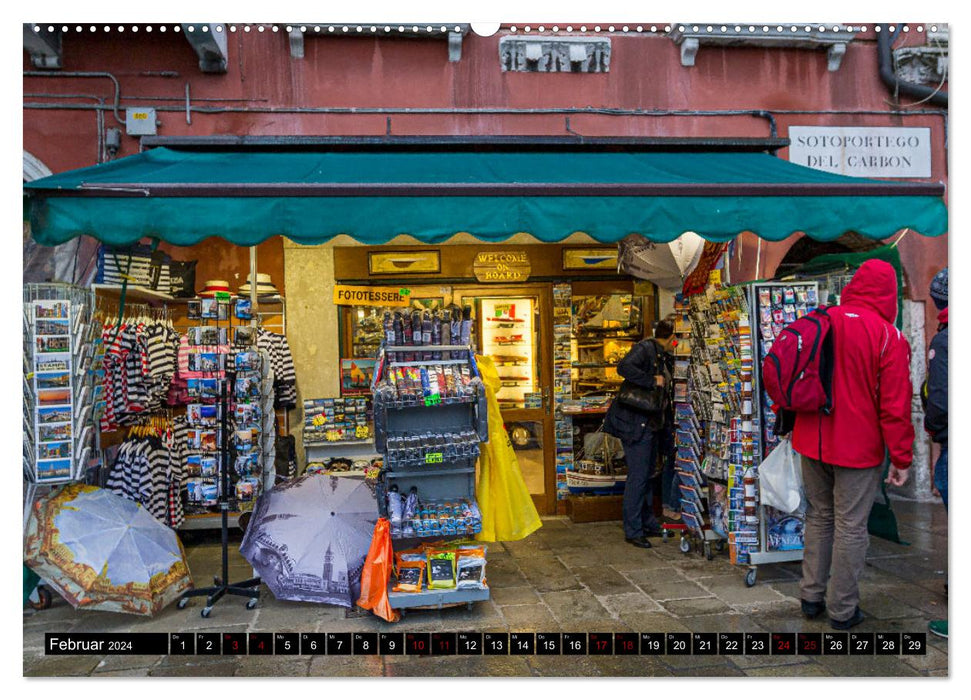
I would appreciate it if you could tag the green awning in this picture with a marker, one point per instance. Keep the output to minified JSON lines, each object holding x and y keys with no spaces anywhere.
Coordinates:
{"x":184,"y":197}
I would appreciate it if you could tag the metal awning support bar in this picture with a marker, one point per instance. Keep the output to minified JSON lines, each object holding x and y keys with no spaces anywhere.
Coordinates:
{"x":496,"y":189}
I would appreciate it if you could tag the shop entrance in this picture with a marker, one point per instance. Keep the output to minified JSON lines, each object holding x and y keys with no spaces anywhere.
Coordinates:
{"x":513,"y":326}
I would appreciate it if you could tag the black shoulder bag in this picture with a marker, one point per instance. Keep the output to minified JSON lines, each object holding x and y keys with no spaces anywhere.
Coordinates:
{"x":641,"y":399}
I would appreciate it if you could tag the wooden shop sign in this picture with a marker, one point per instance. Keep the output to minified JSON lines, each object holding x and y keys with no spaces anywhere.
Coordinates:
{"x":502,"y":266}
{"x":371,"y":296}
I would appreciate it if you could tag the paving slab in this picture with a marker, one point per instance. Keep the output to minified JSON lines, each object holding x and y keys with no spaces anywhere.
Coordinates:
{"x":528,"y":617}
{"x":731,"y":588}
{"x":221,"y":669}
{"x":695,"y":606}
{"x":622,"y":603}
{"x":272,"y":666}
{"x":869,"y":666}
{"x":934,"y":660}
{"x":807,"y":670}
{"x":52,"y":666}
{"x":122,"y":662}
{"x":347,"y":666}
{"x":631,"y":666}
{"x":516,"y":595}
{"x":575,"y":606}
{"x":677,"y":588}
{"x":126,"y":673}
{"x":604,"y":580}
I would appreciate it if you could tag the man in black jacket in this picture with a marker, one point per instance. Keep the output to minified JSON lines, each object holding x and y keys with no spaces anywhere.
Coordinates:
{"x":642,"y":366}
{"x":935,"y":414}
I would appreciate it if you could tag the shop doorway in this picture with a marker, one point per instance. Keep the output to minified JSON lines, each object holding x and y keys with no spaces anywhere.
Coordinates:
{"x":513,"y":325}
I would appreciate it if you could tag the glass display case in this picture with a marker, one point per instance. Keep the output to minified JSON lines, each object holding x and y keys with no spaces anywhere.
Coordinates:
{"x":364,"y":325}
{"x":508,"y":332}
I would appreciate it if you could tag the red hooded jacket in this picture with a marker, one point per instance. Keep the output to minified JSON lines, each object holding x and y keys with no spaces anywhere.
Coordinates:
{"x":871,"y":380}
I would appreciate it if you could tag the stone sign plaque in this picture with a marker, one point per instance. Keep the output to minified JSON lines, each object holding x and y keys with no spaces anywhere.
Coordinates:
{"x":903,"y":152}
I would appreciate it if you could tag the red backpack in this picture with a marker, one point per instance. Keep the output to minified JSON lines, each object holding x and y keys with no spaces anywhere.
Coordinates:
{"x":797,"y":373}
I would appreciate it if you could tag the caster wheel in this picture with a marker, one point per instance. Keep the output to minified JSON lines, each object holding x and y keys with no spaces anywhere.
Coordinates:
{"x":182,"y":603}
{"x":664,"y":535}
{"x":217,"y":581}
{"x":709,"y":555}
{"x":251,"y":603}
{"x":206,"y":612}
{"x":720,"y":546}
{"x":750,"y":577}
{"x":685,"y":545}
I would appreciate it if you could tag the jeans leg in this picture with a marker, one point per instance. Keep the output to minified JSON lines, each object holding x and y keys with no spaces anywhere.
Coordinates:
{"x":818,"y":551}
{"x":637,"y":455}
{"x":854,"y":492}
{"x":940,"y":474}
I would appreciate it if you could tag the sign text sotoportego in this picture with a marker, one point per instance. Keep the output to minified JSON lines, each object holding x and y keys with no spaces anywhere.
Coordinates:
{"x":863,"y":151}
{"x":502,"y":266}
{"x":371,"y":296}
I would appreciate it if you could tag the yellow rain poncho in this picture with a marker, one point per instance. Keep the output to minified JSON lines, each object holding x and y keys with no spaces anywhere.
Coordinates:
{"x":508,"y":512}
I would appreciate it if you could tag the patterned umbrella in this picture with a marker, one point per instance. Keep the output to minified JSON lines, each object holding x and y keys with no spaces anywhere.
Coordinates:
{"x":308,"y":538}
{"x":103,"y":552}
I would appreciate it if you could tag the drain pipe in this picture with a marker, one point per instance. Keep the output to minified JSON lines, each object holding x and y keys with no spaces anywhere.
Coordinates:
{"x":897,"y":86}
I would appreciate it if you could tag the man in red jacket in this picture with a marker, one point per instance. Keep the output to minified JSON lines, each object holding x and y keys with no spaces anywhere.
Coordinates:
{"x":842,"y":453}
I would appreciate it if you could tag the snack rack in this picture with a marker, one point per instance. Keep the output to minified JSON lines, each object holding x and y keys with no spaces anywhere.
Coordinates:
{"x":774,"y":305}
{"x":439,"y":472}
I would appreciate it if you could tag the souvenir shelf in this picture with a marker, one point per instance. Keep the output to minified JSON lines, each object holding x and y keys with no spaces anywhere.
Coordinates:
{"x":338,"y":430}
{"x":714,"y":427}
{"x":60,"y":442}
{"x":429,"y":417}
{"x":774,"y":305}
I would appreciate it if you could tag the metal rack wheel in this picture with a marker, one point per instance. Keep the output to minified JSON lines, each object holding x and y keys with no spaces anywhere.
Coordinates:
{"x":751,"y":576}
{"x":251,"y":603}
{"x":709,"y":555}
{"x":684,"y":545}
{"x":720,"y":546}
{"x":206,"y":611}
{"x":182,"y":603}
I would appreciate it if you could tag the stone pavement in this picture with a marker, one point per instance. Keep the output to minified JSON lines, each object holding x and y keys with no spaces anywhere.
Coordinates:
{"x":564,"y":578}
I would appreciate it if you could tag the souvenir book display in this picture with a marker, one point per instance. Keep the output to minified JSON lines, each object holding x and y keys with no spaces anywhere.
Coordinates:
{"x":716,"y":423}
{"x":430,"y":414}
{"x":774,"y":305}
{"x":59,"y":443}
{"x":562,"y":384}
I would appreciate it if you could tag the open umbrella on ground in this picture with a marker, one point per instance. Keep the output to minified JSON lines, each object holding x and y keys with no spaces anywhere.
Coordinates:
{"x":665,"y":264}
{"x":308,"y":538}
{"x":103,"y":552}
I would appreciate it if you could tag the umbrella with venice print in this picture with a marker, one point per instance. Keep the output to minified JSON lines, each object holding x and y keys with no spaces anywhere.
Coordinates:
{"x":103,"y":552}
{"x":308,"y":538}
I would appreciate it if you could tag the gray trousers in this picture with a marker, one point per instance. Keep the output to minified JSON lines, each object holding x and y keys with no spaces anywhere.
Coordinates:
{"x":838,"y":506}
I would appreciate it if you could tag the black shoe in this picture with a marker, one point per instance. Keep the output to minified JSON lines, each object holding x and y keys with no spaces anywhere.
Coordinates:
{"x":847,"y":624}
{"x":641,"y":542}
{"x":654,"y":532}
{"x":813,"y":610}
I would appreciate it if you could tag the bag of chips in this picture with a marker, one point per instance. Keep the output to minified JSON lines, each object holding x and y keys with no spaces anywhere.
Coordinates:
{"x":410,"y":577}
{"x":470,"y":568}
{"x":441,"y":569}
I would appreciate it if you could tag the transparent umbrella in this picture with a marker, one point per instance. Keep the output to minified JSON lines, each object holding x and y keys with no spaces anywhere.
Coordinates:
{"x":103,"y":552}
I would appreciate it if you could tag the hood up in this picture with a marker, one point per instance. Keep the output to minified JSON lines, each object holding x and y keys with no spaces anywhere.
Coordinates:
{"x":874,"y":286}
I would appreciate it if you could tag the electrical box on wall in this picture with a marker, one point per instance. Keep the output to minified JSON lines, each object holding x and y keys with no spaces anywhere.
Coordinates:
{"x":140,"y":121}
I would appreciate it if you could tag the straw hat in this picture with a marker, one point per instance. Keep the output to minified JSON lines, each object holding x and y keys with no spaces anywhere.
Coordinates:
{"x":213,"y":286}
{"x":264,"y":286}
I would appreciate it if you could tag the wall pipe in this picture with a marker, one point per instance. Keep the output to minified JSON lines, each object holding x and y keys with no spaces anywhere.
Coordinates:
{"x":84,"y":74}
{"x":896,"y":85}
{"x":768,"y":115}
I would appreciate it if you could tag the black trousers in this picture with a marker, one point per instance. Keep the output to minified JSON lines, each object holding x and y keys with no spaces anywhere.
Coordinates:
{"x":638,"y":492}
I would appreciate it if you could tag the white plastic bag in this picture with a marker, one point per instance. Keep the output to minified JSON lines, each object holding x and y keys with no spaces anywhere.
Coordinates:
{"x":780,"y":478}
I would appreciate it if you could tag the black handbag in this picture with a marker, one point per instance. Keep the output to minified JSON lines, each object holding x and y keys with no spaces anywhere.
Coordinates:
{"x":641,"y":399}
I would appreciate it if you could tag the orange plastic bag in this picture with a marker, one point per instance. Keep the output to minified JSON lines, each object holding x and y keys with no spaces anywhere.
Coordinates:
{"x":377,"y":573}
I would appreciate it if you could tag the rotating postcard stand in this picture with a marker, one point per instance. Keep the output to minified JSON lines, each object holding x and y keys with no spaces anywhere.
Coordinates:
{"x":250,"y":588}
